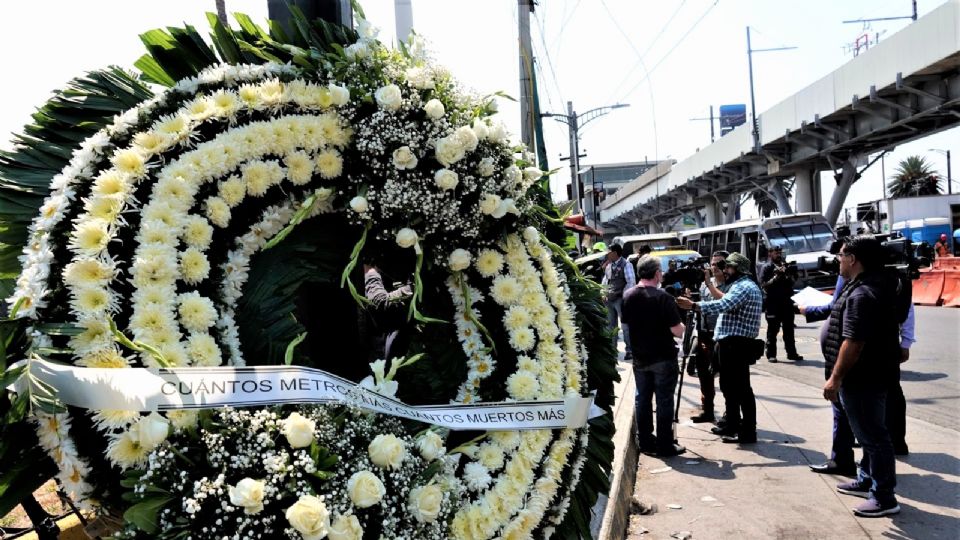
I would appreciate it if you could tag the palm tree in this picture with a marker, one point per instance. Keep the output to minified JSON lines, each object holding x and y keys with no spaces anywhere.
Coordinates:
{"x":765,"y":202}
{"x":914,"y":177}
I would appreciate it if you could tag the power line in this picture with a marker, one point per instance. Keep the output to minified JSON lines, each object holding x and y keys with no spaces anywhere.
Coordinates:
{"x":563,"y":26}
{"x":643,"y":55}
{"x":673,"y":48}
{"x":546,"y":53}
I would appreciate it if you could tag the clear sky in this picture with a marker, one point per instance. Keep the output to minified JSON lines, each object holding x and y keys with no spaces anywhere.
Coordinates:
{"x":589,"y":52}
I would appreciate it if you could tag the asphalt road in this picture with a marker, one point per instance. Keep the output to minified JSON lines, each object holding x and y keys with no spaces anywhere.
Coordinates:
{"x":930,"y":379}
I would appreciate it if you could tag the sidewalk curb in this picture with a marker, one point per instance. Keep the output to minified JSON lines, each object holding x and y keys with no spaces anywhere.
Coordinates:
{"x":612,"y":512}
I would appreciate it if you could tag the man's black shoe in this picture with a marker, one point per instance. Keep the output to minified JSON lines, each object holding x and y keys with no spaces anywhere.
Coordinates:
{"x":703,"y":418}
{"x":740,"y":439}
{"x":795,"y":357}
{"x":724,"y":430}
{"x":831,"y":467}
{"x":648,"y":450}
{"x":772,"y":359}
{"x":670,"y":451}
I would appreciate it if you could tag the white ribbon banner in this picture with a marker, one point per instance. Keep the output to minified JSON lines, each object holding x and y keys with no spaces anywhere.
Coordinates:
{"x":141,"y":389}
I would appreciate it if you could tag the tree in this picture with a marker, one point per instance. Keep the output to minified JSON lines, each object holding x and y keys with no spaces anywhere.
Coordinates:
{"x":765,"y":201}
{"x":914,"y":177}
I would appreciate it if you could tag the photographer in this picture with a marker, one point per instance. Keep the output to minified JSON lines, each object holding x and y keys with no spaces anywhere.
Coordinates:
{"x":714,"y":285}
{"x":776,"y":278}
{"x":738,"y":325}
{"x":654,"y":322}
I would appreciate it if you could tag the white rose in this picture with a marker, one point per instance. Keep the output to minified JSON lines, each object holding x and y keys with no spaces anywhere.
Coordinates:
{"x":298,"y":430}
{"x":389,"y":97}
{"x":248,"y":494}
{"x":532,"y":174}
{"x":431,"y":446}
{"x":424,"y":503}
{"x":493,"y":106}
{"x":367,"y":30}
{"x":505,"y":206}
{"x":340,"y":95}
{"x":359,"y":204}
{"x":449,"y":150}
{"x":485,"y":168}
{"x":434,"y":109}
{"x":513,"y":174}
{"x":459,"y":260}
{"x":419,"y":78}
{"x":365,"y":489}
{"x":497,"y":132}
{"x":489,"y":203}
{"x":310,"y":517}
{"x":531,"y":235}
{"x":466,"y":136}
{"x":346,"y":528}
{"x":387,"y":451}
{"x":151,"y":430}
{"x":446,"y":179}
{"x":357,"y":51}
{"x":406,"y":237}
{"x":480,"y":128}
{"x":404,"y":158}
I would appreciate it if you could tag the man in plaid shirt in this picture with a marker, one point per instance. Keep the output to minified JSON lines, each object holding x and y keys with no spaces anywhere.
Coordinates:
{"x":738,"y":325}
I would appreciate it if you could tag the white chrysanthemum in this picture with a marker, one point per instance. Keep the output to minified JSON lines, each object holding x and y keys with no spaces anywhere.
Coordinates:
{"x":105,"y":208}
{"x":109,"y":358}
{"x":157,"y":232}
{"x":111,"y":419}
{"x":130,"y":162}
{"x":126,"y":451}
{"x":249,"y":95}
{"x":174,"y":126}
{"x":257,"y":175}
{"x":160,"y":338}
{"x":93,"y":301}
{"x":516,"y":317}
{"x":525,"y":363}
{"x":329,"y":164}
{"x":531,"y":235}
{"x":163,"y":210}
{"x":161,"y":295}
{"x":90,"y":236}
{"x":232,"y":191}
{"x":489,"y":263}
{"x":476,"y":476}
{"x":152,"y":318}
{"x":508,"y":440}
{"x":183,"y":419}
{"x":523,"y":385}
{"x":95,"y":335}
{"x":203,"y":350}
{"x":522,"y":339}
{"x":218,"y":212}
{"x":197,"y":232}
{"x":155,"y":265}
{"x":506,"y":290}
{"x":173,"y":353}
{"x":299,"y":167}
{"x":491,"y":456}
{"x":197,"y":313}
{"x":200,"y":108}
{"x":176,"y":192}
{"x":88,"y":272}
{"x":194,"y":266}
{"x":151,"y":142}
{"x":225,"y":103}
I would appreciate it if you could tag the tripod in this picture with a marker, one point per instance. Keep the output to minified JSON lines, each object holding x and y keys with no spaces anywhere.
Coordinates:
{"x":688,"y":348}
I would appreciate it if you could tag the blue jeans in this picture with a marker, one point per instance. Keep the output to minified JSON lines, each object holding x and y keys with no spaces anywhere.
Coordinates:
{"x":615,"y":315}
{"x":658,"y":379}
{"x":841,"y":451}
{"x":866,"y":411}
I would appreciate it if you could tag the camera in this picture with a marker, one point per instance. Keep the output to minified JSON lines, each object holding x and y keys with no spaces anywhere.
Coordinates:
{"x":687,"y":276}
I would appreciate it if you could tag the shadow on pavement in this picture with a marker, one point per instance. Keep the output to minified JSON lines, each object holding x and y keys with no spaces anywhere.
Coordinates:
{"x":916,"y":376}
{"x":935,"y":462}
{"x":929,"y":488}
{"x":912,"y":523}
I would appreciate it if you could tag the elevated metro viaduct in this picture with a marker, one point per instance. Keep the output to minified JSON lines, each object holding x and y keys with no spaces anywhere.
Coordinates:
{"x":904,"y":88}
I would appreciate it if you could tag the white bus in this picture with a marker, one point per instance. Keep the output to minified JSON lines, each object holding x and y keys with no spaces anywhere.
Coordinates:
{"x":805,"y":238}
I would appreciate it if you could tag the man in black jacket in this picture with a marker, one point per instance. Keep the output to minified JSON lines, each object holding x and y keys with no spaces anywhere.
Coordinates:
{"x":862,"y":346}
{"x":776,"y":279}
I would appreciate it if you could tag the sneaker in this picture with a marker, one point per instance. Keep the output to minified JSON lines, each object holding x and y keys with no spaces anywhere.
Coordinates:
{"x":873,"y":508}
{"x":726,"y":429}
{"x":855,"y":488}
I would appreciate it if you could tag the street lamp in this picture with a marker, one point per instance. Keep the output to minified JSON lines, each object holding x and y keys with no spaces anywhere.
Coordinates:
{"x":753,"y":103}
{"x":949,"y":175}
{"x":574,"y":122}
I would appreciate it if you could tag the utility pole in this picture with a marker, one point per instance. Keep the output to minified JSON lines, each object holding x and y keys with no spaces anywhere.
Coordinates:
{"x":949,"y":172}
{"x":527,"y":128}
{"x":753,"y":103}
{"x":403,"y":13}
{"x":574,"y":123}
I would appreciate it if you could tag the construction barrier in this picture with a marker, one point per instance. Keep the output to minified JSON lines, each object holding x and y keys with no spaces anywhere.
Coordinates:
{"x":951,"y":288}
{"x":947,"y":263}
{"x":928,"y":287}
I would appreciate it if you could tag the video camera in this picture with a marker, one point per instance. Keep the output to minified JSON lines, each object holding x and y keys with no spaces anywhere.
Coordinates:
{"x":687,"y":276}
{"x":899,"y":254}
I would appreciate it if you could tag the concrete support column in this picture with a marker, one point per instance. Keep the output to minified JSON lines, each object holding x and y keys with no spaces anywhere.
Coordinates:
{"x":711,"y":211}
{"x":780,"y":196}
{"x":730,"y":212}
{"x":847,"y":178}
{"x":806,"y":191}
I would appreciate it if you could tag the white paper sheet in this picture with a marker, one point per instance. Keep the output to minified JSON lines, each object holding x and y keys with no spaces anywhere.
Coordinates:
{"x":811,"y":297}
